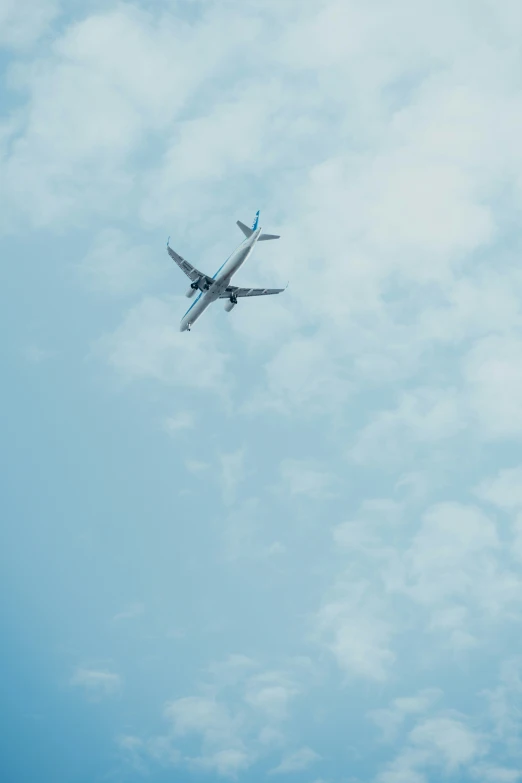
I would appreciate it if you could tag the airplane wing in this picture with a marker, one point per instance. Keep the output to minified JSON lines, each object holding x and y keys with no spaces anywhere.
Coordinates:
{"x":232,"y":290}
{"x":191,"y":271}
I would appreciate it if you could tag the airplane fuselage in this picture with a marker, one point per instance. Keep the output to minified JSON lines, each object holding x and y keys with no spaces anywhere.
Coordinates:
{"x":221,"y":282}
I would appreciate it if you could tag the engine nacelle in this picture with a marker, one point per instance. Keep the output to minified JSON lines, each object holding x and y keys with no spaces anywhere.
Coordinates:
{"x":229,"y":305}
{"x":190,"y":293}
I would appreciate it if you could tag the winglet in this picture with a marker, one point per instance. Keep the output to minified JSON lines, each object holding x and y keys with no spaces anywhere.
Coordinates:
{"x":256,"y":221}
{"x":168,"y":240}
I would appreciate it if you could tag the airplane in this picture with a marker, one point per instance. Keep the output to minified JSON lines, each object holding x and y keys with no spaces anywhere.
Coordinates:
{"x":218,"y":286}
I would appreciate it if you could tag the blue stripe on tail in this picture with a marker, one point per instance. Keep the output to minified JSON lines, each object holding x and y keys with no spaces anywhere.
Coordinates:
{"x":256,"y":221}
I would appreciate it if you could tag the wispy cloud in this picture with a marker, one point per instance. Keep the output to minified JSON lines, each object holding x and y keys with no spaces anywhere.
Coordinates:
{"x":183,"y":420}
{"x":233,"y":473}
{"x":430,"y":738}
{"x":196,"y":466}
{"x":391,"y":719}
{"x":130,"y":612}
{"x":96,"y":683}
{"x":503,"y":490}
{"x":149,"y":346}
{"x":237,"y":719}
{"x":439,"y":740}
{"x":451,"y":571}
{"x":297,"y":761}
{"x":37,"y":355}
{"x":116,"y":266}
{"x":21,"y":27}
{"x":307,"y":478}
{"x":357,"y":630}
{"x":425,"y":416}
{"x":492,"y":773}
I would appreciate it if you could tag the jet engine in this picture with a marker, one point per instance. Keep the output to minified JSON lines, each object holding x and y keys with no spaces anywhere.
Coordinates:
{"x":192,"y":290}
{"x":230,"y":304}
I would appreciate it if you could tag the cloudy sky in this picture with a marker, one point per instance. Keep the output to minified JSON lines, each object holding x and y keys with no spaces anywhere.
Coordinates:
{"x":288,"y":545}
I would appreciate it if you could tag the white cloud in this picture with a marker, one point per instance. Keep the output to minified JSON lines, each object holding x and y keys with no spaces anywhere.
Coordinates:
{"x":21,"y":25}
{"x":489,"y":773}
{"x":493,"y":374}
{"x":440,"y":744}
{"x":226,"y":140}
{"x":270,"y":737}
{"x":297,"y":761}
{"x":238,"y":719}
{"x":306,"y":477}
{"x":424,"y":416}
{"x":36,"y":355}
{"x":276,"y":548}
{"x":450,"y":572}
{"x":221,"y":732}
{"x":271,"y":694}
{"x":303,"y":374}
{"x":107,"y":81}
{"x":454,"y":569}
{"x":149,"y":345}
{"x":262,"y":320}
{"x":357,"y":620}
{"x":404,"y":769}
{"x":505,"y":490}
{"x":182,"y":420}
{"x":450,"y":551}
{"x":391,"y":719}
{"x":232,"y":670}
{"x":135,"y":750}
{"x":486,"y":404}
{"x":240,"y":530}
{"x":227,"y":763}
{"x":130,"y":612}
{"x":196,"y":466}
{"x":131,"y":750}
{"x":475,"y":306}
{"x":233,"y":474}
{"x":201,"y":715}
{"x":357,"y":631}
{"x":96,"y":683}
{"x":161,"y":750}
{"x":449,"y":741}
{"x":504,"y":705}
{"x":365,"y":531}
{"x":115,"y":265}
{"x":450,"y":622}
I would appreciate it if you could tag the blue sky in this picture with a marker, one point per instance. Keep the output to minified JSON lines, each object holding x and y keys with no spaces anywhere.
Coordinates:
{"x":287,"y":545}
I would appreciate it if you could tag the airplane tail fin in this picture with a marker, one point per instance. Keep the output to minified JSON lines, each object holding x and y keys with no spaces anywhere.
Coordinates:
{"x":249,"y":231}
{"x":245,"y":229}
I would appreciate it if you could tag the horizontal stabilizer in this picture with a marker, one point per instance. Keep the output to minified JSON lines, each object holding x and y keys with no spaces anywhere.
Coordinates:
{"x":263,"y":237}
{"x":245,"y":229}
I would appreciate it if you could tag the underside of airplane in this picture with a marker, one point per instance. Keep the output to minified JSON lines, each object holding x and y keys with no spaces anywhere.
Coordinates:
{"x":219,"y":285}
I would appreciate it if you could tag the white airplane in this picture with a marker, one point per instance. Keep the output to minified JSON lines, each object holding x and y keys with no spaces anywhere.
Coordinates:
{"x":218,"y":287}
